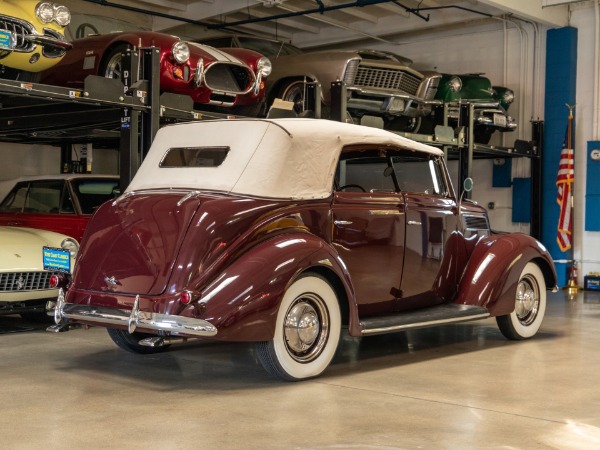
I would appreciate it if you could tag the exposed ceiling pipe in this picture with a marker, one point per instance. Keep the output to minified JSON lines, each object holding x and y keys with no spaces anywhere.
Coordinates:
{"x":146,"y":11}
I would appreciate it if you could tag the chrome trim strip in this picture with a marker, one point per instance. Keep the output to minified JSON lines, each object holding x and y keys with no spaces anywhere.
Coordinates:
{"x":423,"y":324}
{"x":132,"y":319}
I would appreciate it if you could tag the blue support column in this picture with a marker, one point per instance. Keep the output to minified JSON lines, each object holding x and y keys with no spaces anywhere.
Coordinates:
{"x":561,"y":76}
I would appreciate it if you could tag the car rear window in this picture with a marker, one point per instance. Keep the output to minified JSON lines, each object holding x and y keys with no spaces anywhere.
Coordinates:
{"x":194,"y":157}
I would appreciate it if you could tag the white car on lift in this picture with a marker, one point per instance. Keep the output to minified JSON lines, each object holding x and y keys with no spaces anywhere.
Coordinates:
{"x":24,"y":283}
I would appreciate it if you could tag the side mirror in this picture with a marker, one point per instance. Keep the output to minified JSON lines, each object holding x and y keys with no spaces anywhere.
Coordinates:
{"x":388,"y":171}
{"x":468,"y":184}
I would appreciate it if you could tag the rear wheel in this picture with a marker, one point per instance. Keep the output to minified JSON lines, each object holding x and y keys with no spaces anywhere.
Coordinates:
{"x":530,"y":305}
{"x":307,"y":331}
{"x":130,"y":342}
{"x":112,"y":65}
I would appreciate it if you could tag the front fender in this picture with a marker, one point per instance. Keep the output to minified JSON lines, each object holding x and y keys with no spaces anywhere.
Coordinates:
{"x":242,"y":302}
{"x":491,"y":276}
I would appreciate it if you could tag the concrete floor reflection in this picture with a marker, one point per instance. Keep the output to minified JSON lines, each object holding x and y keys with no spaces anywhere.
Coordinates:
{"x":457,"y":386}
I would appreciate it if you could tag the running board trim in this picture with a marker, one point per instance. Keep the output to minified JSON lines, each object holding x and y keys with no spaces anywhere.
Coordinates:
{"x":427,"y":317}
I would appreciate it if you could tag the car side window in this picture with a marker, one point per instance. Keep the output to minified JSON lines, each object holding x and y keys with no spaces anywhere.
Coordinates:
{"x":364,"y":172}
{"x":419,"y":174}
{"x":15,"y":200}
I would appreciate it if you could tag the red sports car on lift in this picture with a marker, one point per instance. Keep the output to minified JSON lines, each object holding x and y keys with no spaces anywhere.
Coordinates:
{"x":232,"y":79}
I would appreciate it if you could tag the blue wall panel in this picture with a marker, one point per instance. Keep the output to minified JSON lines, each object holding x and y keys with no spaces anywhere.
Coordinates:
{"x":561,"y":76}
{"x":592,"y":190}
{"x":521,"y":200}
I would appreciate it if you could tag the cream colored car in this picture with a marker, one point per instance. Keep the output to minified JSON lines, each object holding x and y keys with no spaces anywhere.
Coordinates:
{"x":24,"y":284}
{"x":31,"y":37}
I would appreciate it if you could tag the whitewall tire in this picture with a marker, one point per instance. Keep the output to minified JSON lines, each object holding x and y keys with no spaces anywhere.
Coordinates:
{"x":307,"y":331}
{"x":530,"y":305}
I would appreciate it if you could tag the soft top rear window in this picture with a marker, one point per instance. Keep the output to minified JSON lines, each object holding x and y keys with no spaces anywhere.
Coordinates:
{"x":194,"y":157}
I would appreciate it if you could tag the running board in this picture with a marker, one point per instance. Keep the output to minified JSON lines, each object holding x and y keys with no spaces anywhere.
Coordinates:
{"x":426,"y":317}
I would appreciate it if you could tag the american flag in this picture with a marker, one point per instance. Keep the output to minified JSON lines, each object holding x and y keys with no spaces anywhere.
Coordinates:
{"x":564,"y":181}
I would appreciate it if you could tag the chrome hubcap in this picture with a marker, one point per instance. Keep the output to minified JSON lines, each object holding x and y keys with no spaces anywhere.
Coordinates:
{"x":113,"y":68}
{"x":306,"y":327}
{"x":295,"y":94}
{"x":527,"y":300}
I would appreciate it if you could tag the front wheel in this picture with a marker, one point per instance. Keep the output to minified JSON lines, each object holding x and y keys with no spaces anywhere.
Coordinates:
{"x":307,"y":331}
{"x":530,"y":305}
{"x":130,"y":342}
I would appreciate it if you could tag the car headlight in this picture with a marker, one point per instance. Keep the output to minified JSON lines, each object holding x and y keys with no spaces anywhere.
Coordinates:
{"x":455,"y":84}
{"x":45,"y":12}
{"x":264,"y":66}
{"x":71,"y":245}
{"x":181,"y":52}
{"x":62,"y":16}
{"x":48,"y":12}
{"x":509,"y":96}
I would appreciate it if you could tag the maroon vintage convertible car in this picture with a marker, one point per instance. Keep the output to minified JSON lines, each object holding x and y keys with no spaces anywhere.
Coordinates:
{"x":284,"y":232}
{"x":232,"y":79}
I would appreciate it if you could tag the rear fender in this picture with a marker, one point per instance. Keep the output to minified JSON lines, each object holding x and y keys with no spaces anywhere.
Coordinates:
{"x":491,"y":276}
{"x":242,"y":302}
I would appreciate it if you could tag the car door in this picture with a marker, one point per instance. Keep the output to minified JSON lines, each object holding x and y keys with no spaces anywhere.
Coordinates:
{"x":430,"y":271}
{"x":369,"y":228}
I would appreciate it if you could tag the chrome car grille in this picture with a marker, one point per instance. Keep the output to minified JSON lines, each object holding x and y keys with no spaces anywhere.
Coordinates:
{"x":386,"y":78}
{"x":230,"y":78}
{"x":476,"y":223}
{"x":25,"y":281}
{"x":432,"y":87}
{"x":20,"y":29}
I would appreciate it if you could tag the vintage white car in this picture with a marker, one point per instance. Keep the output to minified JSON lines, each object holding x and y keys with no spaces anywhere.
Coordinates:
{"x":24,"y":284}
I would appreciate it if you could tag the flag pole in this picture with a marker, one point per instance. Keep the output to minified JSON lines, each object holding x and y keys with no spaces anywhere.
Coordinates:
{"x":573,"y":287}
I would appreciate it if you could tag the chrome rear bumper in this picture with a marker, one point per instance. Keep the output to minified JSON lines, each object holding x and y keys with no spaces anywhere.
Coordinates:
{"x":132,"y":319}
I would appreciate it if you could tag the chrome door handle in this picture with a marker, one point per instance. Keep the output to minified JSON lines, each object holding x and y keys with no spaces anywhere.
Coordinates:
{"x":342,"y":222}
{"x":414,"y":222}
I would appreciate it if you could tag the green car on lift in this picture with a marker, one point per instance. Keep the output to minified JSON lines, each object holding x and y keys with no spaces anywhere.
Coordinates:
{"x":491,"y":104}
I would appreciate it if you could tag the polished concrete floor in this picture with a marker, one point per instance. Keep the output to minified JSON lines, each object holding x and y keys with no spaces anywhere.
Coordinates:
{"x":454,"y":387}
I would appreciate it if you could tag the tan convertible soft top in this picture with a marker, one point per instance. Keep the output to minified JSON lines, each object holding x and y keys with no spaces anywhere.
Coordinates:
{"x":278,"y":158}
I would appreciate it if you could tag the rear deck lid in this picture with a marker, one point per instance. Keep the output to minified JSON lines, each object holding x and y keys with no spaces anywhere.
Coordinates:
{"x":131,"y":245}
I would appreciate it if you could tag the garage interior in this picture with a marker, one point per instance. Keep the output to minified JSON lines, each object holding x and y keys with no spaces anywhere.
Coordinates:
{"x":452,"y":386}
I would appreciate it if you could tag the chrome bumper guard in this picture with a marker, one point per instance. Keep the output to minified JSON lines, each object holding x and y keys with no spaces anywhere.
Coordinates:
{"x":132,"y":319}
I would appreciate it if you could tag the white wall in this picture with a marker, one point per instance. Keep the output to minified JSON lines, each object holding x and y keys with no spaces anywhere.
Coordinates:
{"x":587,"y":244}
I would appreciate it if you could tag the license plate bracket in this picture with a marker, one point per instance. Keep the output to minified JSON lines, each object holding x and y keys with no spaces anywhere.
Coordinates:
{"x":499,"y":120}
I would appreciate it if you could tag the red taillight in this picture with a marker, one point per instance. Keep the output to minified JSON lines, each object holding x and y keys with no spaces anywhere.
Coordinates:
{"x":186,"y":297}
{"x":54,"y":281}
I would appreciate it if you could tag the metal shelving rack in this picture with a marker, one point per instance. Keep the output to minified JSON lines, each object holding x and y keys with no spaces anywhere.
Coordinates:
{"x":109,"y":113}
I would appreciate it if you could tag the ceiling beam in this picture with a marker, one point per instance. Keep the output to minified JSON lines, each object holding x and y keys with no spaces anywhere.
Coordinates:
{"x":290,"y":23}
{"x":557,"y":16}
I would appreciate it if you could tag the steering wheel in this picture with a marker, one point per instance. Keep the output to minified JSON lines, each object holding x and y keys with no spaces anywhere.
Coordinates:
{"x":80,"y":31}
{"x":353,"y":186}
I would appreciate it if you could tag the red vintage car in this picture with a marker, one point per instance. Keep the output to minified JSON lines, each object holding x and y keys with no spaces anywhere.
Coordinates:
{"x":209,"y":76}
{"x":286,"y":232}
{"x":59,"y":203}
